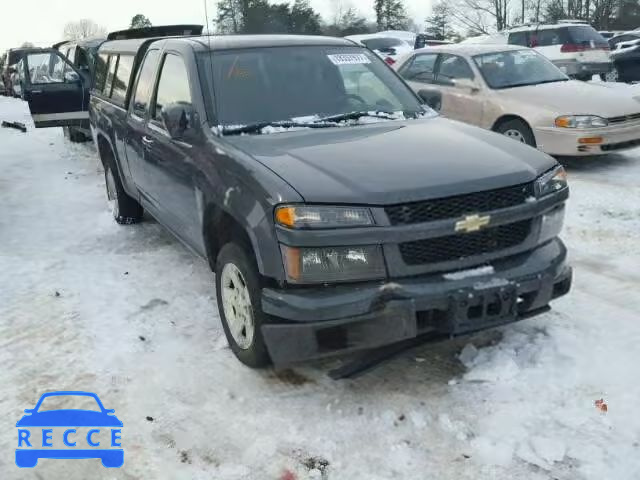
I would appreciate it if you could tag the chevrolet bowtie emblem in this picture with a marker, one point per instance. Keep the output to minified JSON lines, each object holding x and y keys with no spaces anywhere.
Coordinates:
{"x":472,"y":223}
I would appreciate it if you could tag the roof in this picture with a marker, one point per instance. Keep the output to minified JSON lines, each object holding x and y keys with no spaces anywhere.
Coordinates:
{"x":471,"y":48}
{"x":231,"y":42}
{"x":544,"y":26}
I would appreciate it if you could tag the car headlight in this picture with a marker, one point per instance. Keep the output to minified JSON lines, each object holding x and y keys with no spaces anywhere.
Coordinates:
{"x":322,"y":216}
{"x":333,"y":264}
{"x":552,"y":181}
{"x":581,"y":121}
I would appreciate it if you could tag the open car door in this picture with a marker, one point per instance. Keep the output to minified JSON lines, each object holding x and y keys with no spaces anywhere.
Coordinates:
{"x":58,"y":94}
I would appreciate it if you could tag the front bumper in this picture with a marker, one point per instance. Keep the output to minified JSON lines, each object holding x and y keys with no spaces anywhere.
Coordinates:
{"x":323,"y":321}
{"x":566,"y":141}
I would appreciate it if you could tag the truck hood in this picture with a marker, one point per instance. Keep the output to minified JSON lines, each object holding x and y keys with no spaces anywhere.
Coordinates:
{"x":394,"y":162}
{"x":576,"y":98}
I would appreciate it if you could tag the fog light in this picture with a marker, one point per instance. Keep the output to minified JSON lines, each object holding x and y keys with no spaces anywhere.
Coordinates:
{"x":333,"y":264}
{"x":551,"y":224}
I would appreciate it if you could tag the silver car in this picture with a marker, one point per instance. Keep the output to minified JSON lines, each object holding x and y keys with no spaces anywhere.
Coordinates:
{"x":517,"y":92}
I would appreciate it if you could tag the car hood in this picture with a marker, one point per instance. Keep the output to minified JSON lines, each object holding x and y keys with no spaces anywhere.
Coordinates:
{"x":69,"y":418}
{"x":575,"y":98}
{"x":394,"y":162}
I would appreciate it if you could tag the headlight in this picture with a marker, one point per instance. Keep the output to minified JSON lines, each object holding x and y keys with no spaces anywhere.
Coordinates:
{"x":581,"y":121}
{"x":551,"y":181}
{"x":333,"y":264}
{"x":320,"y":216}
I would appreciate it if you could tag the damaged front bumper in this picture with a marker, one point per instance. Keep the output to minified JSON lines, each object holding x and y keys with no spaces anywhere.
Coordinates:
{"x":322,"y":321}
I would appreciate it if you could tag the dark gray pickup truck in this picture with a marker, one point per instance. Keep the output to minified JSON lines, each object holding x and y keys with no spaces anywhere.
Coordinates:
{"x":338,"y":212}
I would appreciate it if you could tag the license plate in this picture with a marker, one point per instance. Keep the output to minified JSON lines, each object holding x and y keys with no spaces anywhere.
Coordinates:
{"x":476,"y":309}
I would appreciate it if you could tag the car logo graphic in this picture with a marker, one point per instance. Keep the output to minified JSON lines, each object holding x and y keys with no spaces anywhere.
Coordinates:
{"x":105,"y":431}
{"x":472,"y":223}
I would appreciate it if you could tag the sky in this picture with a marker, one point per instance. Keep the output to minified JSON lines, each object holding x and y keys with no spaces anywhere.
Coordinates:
{"x":46,"y":25}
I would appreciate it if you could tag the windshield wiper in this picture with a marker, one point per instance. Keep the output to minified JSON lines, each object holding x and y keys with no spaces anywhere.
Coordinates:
{"x":258,"y":126}
{"x":528,"y":84}
{"x":355,"y":116}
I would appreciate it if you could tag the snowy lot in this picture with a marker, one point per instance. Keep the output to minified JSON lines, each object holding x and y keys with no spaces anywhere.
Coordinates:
{"x":128,"y":313}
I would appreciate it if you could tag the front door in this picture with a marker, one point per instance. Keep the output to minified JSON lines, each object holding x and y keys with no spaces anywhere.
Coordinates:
{"x":457,"y":82}
{"x":58,"y":95}
{"x":169,"y":158}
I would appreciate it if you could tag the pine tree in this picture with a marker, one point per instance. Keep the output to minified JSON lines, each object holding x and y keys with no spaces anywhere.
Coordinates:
{"x":390,"y":14}
{"x":439,"y":22}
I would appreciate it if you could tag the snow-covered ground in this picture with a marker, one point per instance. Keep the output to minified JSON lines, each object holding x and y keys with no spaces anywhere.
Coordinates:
{"x":128,"y":313}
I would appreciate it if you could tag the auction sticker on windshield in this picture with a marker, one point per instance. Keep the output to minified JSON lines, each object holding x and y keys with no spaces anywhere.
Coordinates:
{"x":348,"y":58}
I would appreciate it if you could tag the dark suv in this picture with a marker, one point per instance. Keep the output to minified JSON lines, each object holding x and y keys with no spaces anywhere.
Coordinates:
{"x":337,"y":211}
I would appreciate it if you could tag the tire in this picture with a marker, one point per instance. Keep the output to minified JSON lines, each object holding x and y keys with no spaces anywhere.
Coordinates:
{"x":517,"y":130}
{"x":73,"y":135}
{"x":242,"y":310}
{"x":125,"y":210}
{"x":611,"y":76}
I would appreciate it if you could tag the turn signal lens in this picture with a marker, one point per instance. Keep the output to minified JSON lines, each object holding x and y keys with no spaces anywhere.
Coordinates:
{"x":590,"y":140}
{"x":322,"y":216}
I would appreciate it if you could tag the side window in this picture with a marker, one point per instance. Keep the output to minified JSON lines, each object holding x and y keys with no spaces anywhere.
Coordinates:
{"x":145,"y":83}
{"x":113,"y":63}
{"x":45,"y":68}
{"x":453,"y":67}
{"x":519,"y":38}
{"x":101,"y":71}
{"x":121,"y":79}
{"x":421,"y":68}
{"x":173,"y":86}
{"x":546,"y":38}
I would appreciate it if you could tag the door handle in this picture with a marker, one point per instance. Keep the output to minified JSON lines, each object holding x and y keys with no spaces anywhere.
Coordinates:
{"x":36,"y":91}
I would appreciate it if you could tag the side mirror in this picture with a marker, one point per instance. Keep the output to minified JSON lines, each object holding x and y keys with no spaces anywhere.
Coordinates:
{"x":109,"y":411}
{"x":71,"y":77}
{"x":178,"y":119}
{"x":29,"y":410}
{"x":431,"y":98}
{"x":12,"y":70}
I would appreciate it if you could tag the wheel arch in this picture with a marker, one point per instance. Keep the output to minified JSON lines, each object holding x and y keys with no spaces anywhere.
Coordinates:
{"x":509,"y":117}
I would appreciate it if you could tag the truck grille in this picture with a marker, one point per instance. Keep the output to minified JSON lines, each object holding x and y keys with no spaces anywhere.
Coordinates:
{"x":460,"y":205}
{"x":459,"y":246}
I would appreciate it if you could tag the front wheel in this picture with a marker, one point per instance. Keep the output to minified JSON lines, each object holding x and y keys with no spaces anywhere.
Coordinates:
{"x":238,"y":294}
{"x":518,"y":131}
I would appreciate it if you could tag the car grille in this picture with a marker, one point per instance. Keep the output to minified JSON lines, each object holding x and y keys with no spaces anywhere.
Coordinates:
{"x":459,"y":246}
{"x":451,"y":207}
{"x":624,"y":118}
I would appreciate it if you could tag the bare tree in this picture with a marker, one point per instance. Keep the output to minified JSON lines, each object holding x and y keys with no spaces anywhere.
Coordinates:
{"x":84,"y":28}
{"x":481,"y":16}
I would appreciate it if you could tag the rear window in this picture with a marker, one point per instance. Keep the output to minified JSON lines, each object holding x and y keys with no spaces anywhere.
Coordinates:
{"x":382,"y":43}
{"x":121,"y":79}
{"x":585,"y":35}
{"x":101,"y":71}
{"x":14,"y":57}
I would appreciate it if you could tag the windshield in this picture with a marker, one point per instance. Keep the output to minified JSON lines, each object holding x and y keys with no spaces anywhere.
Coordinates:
{"x":69,"y":402}
{"x":279,"y":84}
{"x":517,"y":68}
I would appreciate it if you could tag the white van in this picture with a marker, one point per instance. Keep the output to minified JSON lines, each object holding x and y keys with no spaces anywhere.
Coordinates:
{"x":576,"y":48}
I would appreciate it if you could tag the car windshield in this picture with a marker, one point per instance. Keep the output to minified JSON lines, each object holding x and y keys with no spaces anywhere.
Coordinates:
{"x":517,"y":68}
{"x":69,"y":402}
{"x":304,"y":84}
